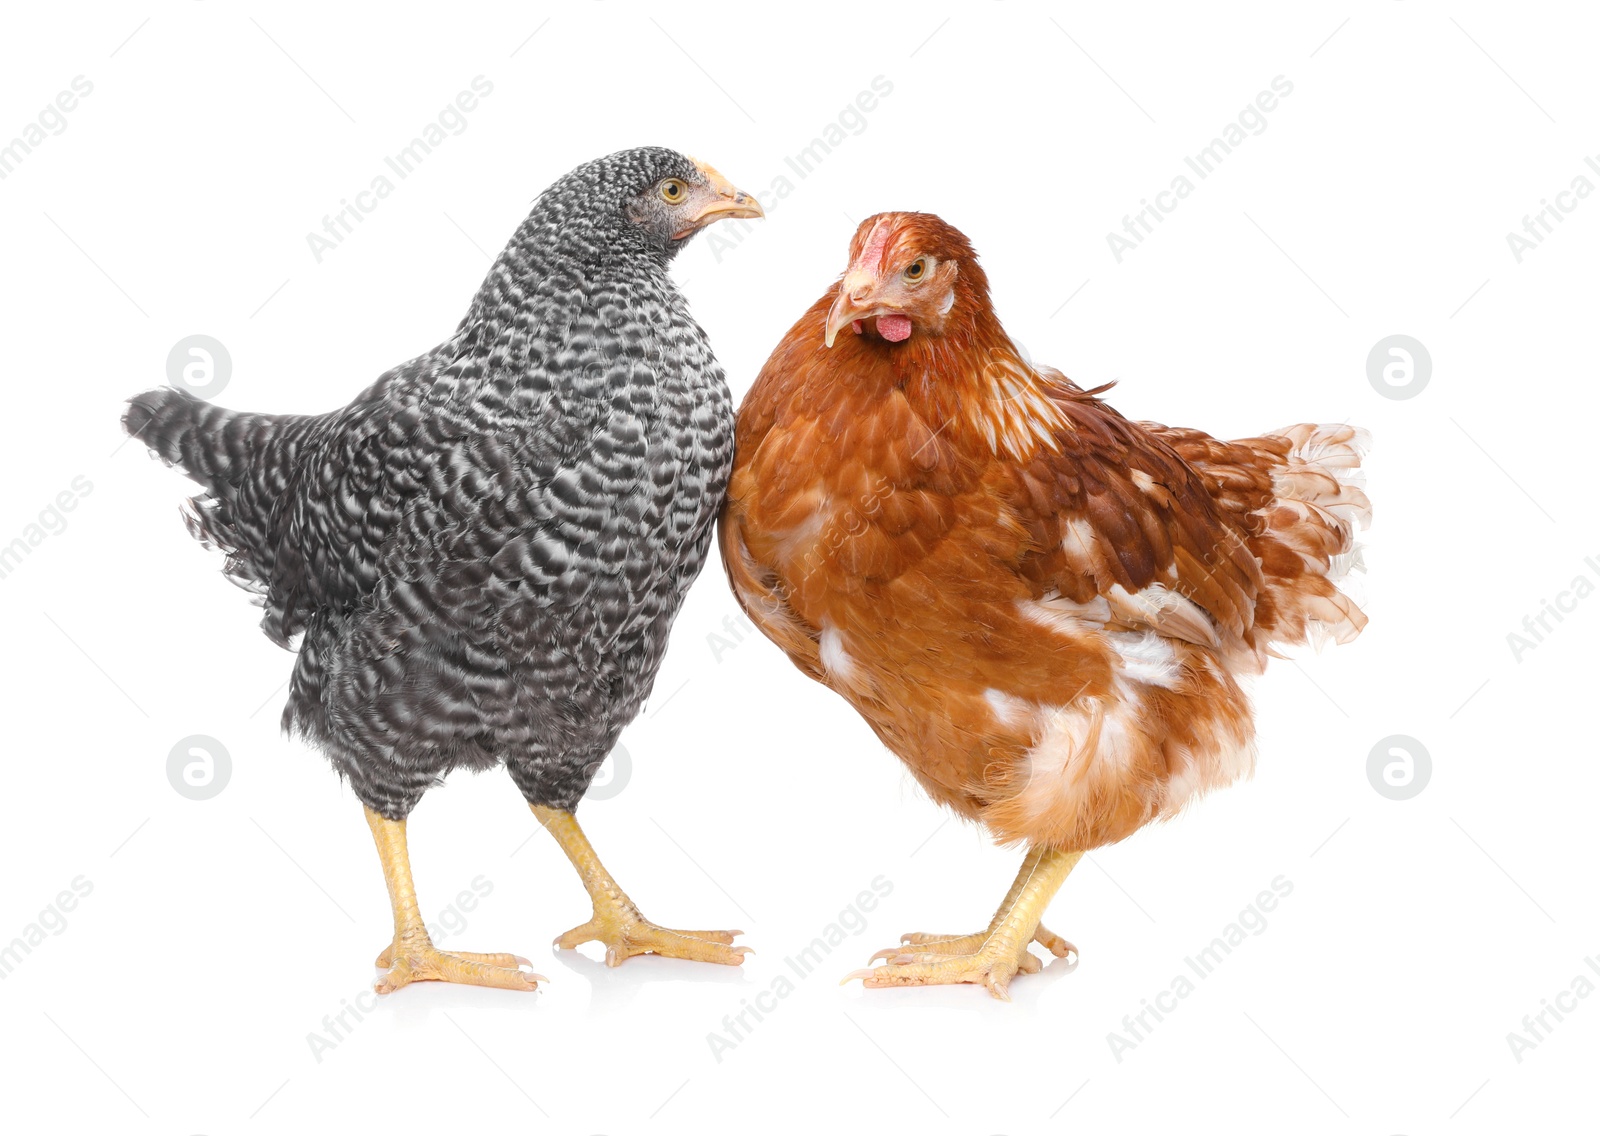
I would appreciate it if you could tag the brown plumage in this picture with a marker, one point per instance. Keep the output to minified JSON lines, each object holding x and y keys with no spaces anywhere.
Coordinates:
{"x":1040,"y":606}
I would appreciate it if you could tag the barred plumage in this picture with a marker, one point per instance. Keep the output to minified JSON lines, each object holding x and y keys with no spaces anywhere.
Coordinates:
{"x":483,"y":553}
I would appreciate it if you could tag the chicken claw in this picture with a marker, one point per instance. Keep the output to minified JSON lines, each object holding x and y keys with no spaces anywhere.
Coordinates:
{"x":993,"y":965}
{"x":986,"y":958}
{"x":411,"y":956}
{"x":423,"y":962}
{"x":616,"y":921}
{"x":992,"y":957}
{"x":386,"y":959}
{"x":625,"y":933}
{"x":967,"y":944}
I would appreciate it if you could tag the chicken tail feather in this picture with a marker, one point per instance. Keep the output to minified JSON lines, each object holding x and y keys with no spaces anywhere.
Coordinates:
{"x":243,"y":461}
{"x":1319,"y":504}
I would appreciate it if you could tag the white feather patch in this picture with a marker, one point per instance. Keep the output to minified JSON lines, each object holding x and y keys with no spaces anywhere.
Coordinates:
{"x":835,"y":659}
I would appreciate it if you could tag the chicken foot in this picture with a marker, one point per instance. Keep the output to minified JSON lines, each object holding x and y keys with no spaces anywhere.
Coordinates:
{"x":617,"y":922}
{"x":966,"y":944}
{"x":412,"y":957}
{"x":991,"y":957}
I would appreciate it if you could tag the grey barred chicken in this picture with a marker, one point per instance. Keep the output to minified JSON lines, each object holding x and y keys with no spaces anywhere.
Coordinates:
{"x":482,"y":555}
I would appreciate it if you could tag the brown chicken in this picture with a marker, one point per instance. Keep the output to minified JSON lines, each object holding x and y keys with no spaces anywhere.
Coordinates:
{"x":1042,"y":607}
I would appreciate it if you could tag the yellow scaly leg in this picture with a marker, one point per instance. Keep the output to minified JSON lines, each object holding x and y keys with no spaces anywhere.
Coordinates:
{"x":991,"y":957}
{"x":617,"y":923}
{"x":965,"y":944}
{"x":412,"y":957}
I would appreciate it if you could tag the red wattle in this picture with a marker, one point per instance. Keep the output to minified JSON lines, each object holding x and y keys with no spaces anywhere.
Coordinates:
{"x":894,"y":328}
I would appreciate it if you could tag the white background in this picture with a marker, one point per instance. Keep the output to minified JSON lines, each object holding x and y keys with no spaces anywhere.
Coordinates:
{"x":180,"y":995}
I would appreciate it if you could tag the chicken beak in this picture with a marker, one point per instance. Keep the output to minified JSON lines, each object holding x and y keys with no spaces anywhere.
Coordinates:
{"x":853,"y":302}
{"x":724,"y":201}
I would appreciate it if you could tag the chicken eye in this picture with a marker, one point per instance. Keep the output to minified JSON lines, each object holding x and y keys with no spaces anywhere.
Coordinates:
{"x":916,"y":270}
{"x":673,"y":191}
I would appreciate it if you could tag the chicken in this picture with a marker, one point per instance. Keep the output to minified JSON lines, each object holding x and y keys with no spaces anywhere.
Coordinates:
{"x":1041,"y":607}
{"x":484,"y":552}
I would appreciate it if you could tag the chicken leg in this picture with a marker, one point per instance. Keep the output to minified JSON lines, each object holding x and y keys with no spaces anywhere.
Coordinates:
{"x":993,"y":956}
{"x":412,"y":957}
{"x":616,"y":922}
